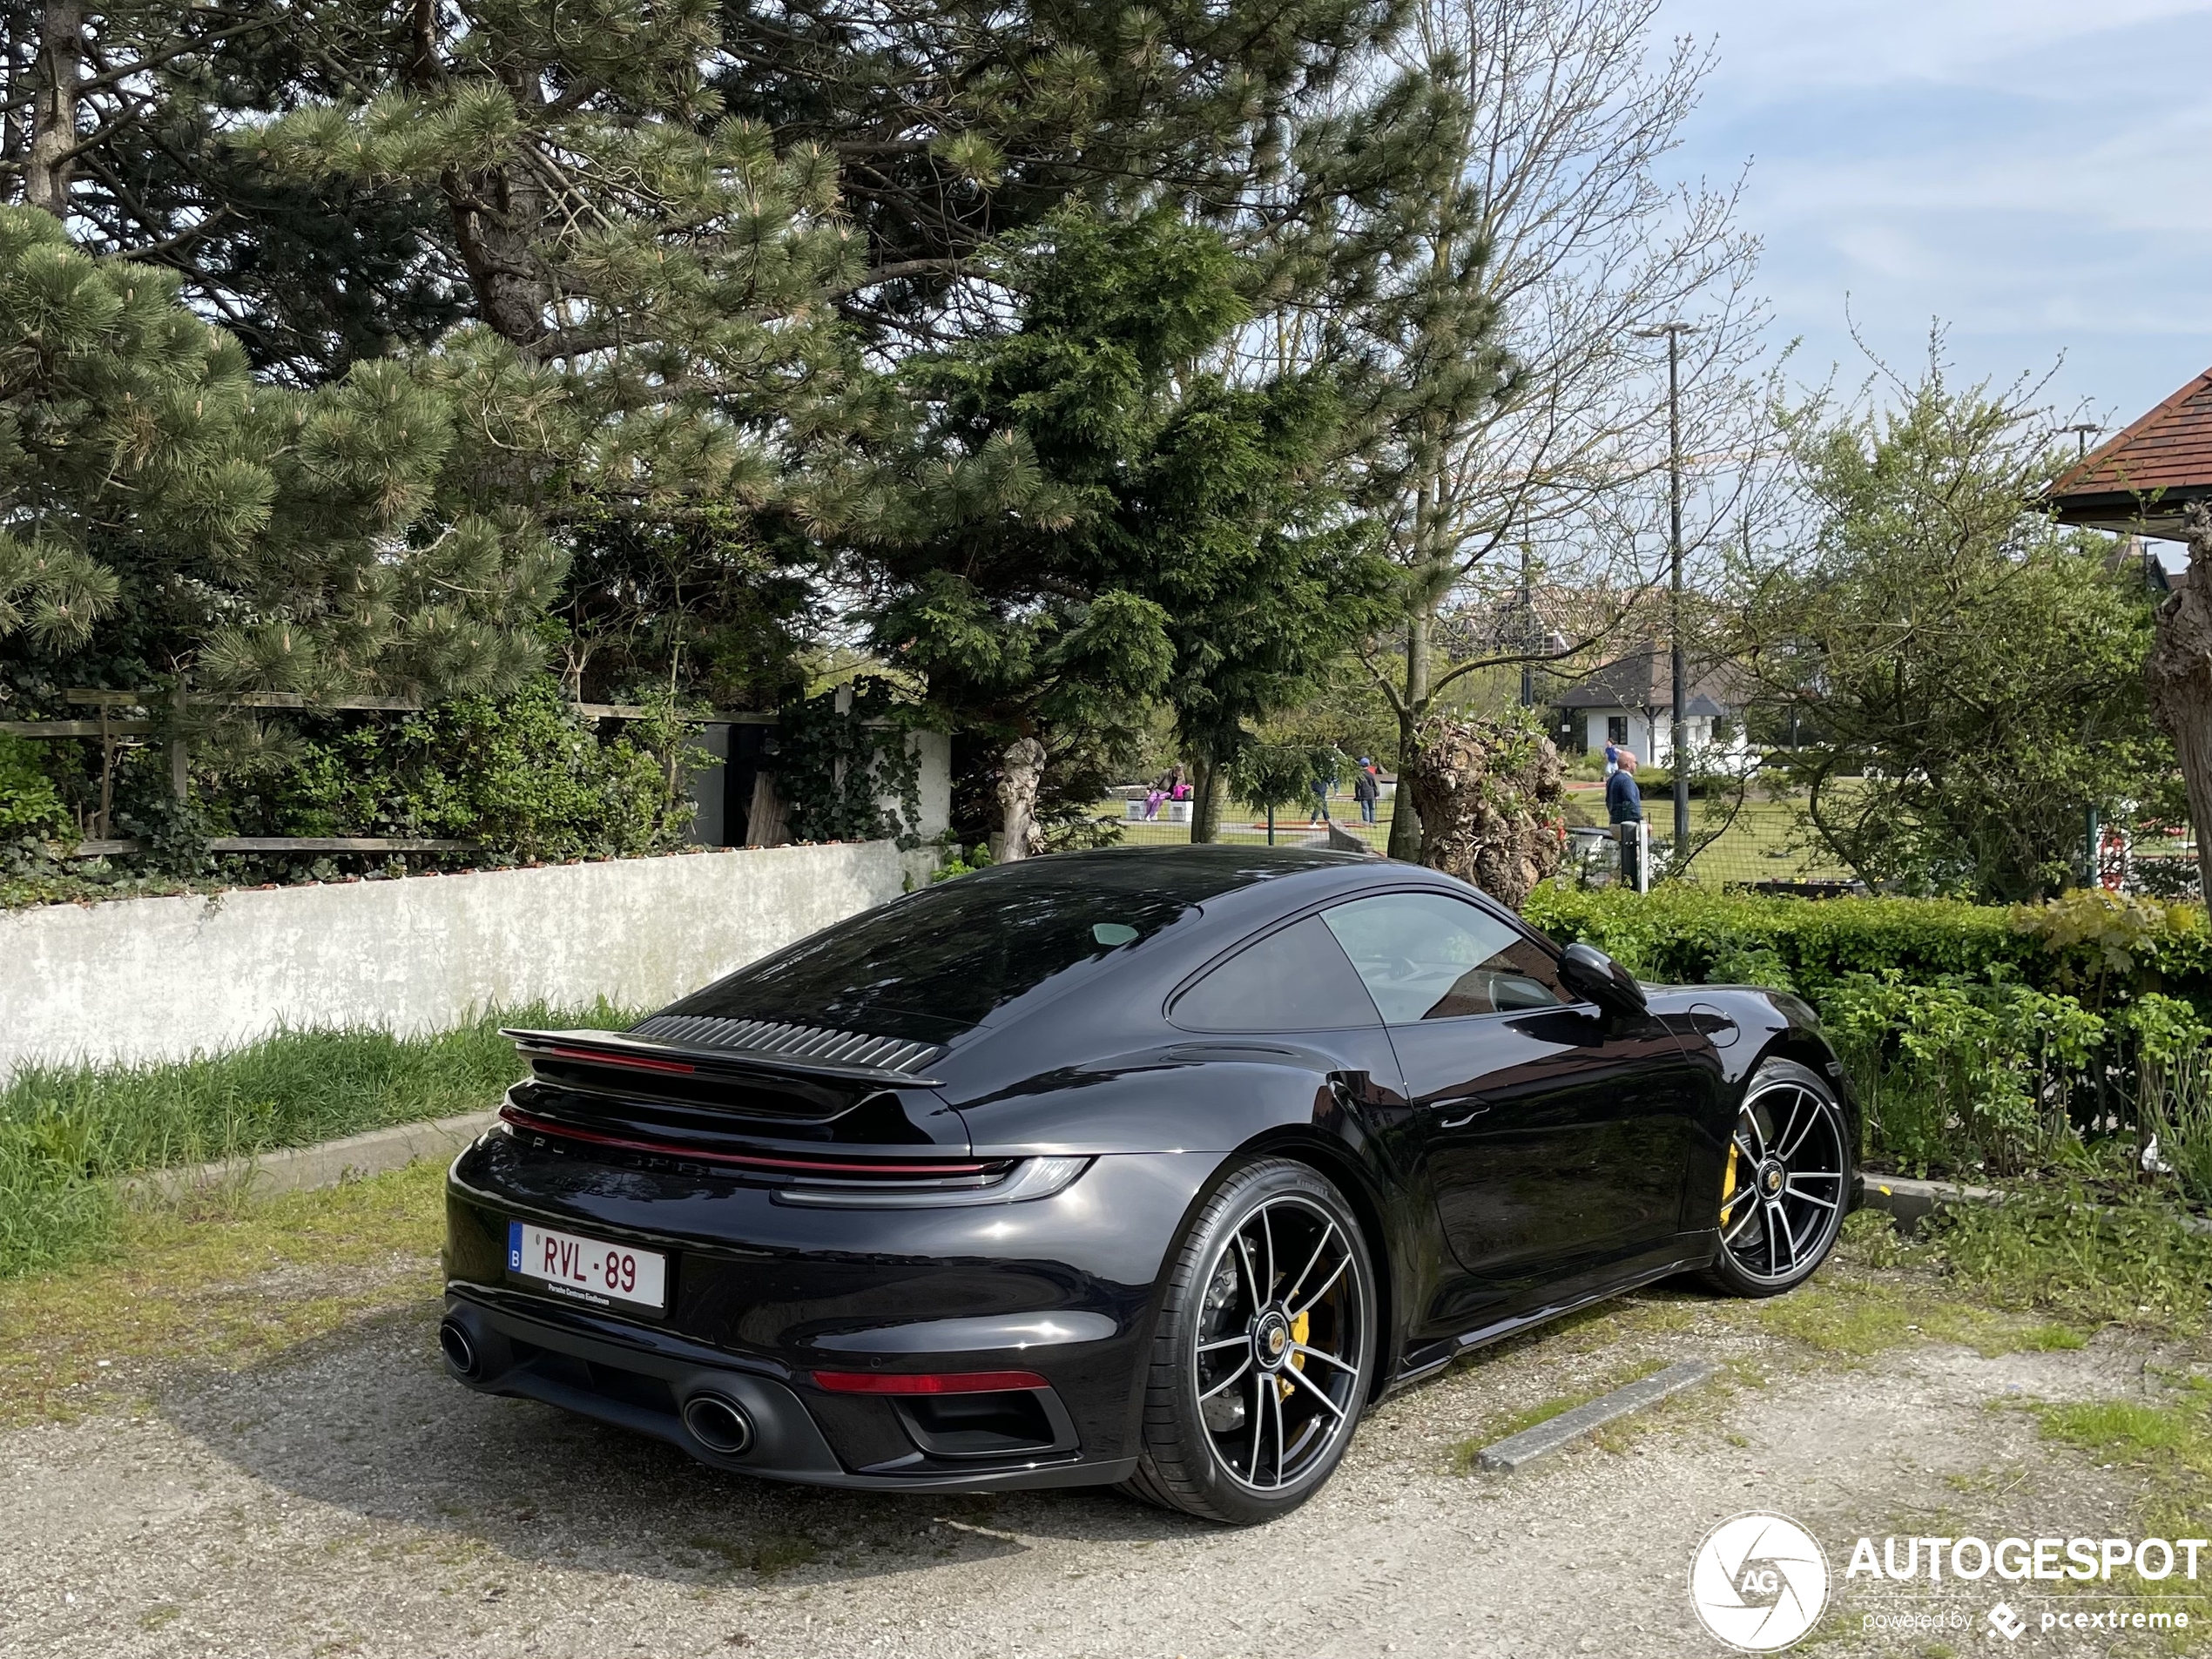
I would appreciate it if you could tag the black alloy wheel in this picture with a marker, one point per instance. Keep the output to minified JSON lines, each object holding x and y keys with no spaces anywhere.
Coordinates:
{"x":1260,"y":1360}
{"x":1787,"y":1183}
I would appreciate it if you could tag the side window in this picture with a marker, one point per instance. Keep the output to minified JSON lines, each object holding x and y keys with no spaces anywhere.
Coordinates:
{"x":1424,"y":956}
{"x":1294,"y":980}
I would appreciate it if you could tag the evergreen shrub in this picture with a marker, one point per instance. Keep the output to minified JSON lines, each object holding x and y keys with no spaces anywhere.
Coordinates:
{"x":1981,"y":1039}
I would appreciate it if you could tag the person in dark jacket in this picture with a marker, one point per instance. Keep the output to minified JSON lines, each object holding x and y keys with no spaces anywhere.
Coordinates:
{"x":1367,"y":788}
{"x":1623,"y":802}
{"x":1325,"y":779}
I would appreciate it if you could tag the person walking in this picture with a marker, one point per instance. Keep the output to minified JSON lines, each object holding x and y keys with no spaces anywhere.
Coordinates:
{"x":1157,"y":794}
{"x":1623,"y":800}
{"x":1325,"y":779}
{"x":1367,"y":789}
{"x":1624,"y":811}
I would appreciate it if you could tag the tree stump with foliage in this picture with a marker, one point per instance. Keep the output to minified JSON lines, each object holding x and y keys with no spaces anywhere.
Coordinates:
{"x":2180,"y":682}
{"x":1021,"y":772}
{"x":1491,"y":798}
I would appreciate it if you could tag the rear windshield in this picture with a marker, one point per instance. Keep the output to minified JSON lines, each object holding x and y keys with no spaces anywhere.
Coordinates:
{"x":938,"y":962}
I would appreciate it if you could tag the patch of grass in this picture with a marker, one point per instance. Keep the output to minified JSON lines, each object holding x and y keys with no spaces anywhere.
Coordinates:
{"x":225,"y":1281}
{"x":1855,"y":1316}
{"x":66,"y":1133}
{"x":767,"y":1557}
{"x":2124,"y":1428}
{"x":2130,"y":1262}
{"x":780,"y":1551}
{"x":1879,"y":1291}
{"x":2168,"y":1442}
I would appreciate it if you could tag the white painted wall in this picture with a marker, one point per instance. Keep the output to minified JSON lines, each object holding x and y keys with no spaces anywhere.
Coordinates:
{"x":933,"y":753}
{"x":1653,"y":741}
{"x":158,"y":979}
{"x":1639,"y":738}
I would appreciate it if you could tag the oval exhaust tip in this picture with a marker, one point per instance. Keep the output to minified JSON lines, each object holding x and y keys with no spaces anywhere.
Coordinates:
{"x":460,"y":1352}
{"x":719,"y":1423}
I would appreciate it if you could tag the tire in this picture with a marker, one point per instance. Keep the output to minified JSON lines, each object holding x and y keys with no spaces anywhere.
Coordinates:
{"x":1792,"y":1129}
{"x":1240,"y":1432}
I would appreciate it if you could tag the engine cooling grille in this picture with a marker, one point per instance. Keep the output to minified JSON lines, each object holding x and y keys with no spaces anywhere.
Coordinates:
{"x":797,"y":1042}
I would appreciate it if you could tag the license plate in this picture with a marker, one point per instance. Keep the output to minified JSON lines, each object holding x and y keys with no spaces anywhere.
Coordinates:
{"x":587,"y":1269}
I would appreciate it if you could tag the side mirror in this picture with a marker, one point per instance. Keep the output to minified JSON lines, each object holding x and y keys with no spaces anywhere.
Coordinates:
{"x":1595,"y":977}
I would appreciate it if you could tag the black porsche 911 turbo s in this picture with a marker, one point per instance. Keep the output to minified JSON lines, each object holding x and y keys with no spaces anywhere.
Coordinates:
{"x":1154,"y":1167}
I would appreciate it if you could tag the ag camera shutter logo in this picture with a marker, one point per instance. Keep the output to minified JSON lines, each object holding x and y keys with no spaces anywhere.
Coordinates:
{"x":1758,"y":1583}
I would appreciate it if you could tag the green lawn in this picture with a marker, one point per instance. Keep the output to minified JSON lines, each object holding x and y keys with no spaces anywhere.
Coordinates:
{"x":67,"y":1133}
{"x":1764,"y":844}
{"x":1760,"y":845}
{"x":1242,"y":823}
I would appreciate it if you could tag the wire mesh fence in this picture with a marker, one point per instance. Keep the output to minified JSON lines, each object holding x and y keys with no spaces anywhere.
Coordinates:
{"x":1240,"y":823}
{"x":1761,"y":843}
{"x":1761,"y":847}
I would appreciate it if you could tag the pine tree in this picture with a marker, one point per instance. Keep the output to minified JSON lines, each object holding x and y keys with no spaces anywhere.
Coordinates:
{"x":961,"y":123}
{"x":1094,"y":515}
{"x":114,"y":115}
{"x":163,"y":514}
{"x":946,"y":126}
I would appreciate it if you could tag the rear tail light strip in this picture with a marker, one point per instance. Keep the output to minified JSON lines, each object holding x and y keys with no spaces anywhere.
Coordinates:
{"x":818,"y":1167}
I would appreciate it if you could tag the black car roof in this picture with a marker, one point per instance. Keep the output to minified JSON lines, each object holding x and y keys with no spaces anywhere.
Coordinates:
{"x":951,"y":957}
{"x":1190,"y":874}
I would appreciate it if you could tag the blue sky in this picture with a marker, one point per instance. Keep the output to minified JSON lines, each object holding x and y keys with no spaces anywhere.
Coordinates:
{"x":2034,"y":172}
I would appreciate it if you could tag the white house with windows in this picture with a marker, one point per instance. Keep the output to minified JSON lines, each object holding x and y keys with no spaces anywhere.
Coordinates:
{"x":1629,"y":703}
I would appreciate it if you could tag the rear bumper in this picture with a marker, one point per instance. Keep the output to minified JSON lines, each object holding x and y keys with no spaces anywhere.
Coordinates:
{"x":640,"y":1379}
{"x":761,"y":1295}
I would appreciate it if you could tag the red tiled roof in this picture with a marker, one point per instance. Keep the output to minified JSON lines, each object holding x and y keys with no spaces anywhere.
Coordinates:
{"x":2169,"y":448}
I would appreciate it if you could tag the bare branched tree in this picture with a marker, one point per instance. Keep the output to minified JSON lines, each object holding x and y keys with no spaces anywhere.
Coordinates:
{"x":1575,"y":246}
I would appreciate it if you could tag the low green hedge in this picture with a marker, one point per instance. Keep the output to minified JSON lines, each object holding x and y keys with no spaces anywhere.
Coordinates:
{"x":2104,"y":951}
{"x":1982,"y":1038}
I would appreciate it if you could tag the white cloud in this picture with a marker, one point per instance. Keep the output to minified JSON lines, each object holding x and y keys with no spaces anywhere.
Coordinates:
{"x":1881,"y":42}
{"x":2029,"y":172}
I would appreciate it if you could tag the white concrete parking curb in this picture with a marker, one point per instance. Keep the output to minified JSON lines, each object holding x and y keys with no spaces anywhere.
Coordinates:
{"x":1556,"y":1433}
{"x":1912,"y":1202}
{"x":298,"y":1168}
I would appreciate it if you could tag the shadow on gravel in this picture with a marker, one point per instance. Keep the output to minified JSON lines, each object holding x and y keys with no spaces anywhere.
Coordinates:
{"x":367,"y":1421}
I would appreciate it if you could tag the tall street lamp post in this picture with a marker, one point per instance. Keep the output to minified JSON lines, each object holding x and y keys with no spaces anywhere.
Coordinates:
{"x":1673,"y":332}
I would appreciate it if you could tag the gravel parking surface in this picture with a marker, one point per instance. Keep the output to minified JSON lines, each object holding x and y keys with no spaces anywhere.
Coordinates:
{"x":349,"y":1500}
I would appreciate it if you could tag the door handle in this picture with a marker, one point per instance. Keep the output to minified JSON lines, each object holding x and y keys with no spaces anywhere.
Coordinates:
{"x":1475,"y":1109}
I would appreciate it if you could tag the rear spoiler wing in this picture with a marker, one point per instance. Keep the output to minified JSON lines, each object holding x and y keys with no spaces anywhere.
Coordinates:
{"x":620,"y":1050}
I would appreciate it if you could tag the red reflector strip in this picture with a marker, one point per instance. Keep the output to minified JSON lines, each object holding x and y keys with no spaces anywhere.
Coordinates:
{"x":601,"y":1057}
{"x":928,"y":1382}
{"x":745,"y":1160}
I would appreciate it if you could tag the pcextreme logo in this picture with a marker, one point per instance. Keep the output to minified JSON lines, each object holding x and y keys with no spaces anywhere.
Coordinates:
{"x":1758,"y":1583}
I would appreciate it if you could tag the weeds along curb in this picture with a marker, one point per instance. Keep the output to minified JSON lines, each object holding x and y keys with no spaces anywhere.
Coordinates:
{"x":300,"y":1167}
{"x":1910,"y":1201}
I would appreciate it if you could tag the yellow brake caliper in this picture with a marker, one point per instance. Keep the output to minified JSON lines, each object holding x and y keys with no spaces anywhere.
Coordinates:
{"x":1728,"y":1187}
{"x":1300,"y":1327}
